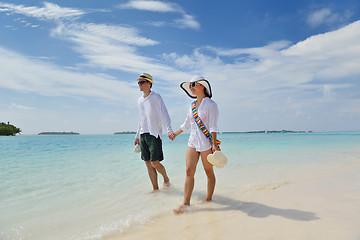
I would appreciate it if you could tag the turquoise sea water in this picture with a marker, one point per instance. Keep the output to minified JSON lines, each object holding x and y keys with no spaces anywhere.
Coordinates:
{"x":95,"y":187}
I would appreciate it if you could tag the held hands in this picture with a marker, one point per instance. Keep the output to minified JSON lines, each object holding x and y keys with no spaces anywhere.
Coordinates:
{"x":171,"y":135}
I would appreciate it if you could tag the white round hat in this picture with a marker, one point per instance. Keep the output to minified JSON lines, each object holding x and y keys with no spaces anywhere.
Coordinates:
{"x":198,"y":79}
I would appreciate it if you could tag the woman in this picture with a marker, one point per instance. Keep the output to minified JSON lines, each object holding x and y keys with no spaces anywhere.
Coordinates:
{"x":199,"y":144}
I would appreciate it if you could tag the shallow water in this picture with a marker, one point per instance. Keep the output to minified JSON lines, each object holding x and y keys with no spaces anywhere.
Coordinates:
{"x":94,"y":186}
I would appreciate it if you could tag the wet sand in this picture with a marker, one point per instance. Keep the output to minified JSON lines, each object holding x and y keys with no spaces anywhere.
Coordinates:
{"x":323,"y":207}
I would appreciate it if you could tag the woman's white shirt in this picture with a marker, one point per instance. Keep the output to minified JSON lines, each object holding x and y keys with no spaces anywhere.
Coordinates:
{"x":209,"y":114}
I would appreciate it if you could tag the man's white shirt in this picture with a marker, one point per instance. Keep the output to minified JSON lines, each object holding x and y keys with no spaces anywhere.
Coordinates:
{"x":152,"y":115}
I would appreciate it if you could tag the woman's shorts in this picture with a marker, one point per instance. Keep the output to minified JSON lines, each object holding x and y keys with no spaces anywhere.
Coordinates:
{"x":151,"y":147}
{"x":198,"y":144}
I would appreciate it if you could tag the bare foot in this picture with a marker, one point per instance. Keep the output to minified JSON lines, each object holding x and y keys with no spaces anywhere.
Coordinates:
{"x":182,"y":209}
{"x":153,"y":191}
{"x":206,"y":201}
{"x":167,"y":183}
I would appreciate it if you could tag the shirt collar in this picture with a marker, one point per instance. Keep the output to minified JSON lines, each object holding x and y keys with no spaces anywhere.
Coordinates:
{"x":151,"y":92}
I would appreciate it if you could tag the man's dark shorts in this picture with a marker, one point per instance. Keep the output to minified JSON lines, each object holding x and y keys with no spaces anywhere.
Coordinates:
{"x":151,"y":148}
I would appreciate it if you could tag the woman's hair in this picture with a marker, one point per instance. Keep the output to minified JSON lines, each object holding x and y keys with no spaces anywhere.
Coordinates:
{"x":206,"y":93}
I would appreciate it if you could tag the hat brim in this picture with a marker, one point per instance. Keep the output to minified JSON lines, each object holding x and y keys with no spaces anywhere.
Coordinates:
{"x":186,"y":87}
{"x":218,"y":159}
{"x":145,"y":79}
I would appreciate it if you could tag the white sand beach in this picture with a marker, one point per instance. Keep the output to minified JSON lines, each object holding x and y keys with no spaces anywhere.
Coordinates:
{"x":275,"y":187}
{"x":325,"y":206}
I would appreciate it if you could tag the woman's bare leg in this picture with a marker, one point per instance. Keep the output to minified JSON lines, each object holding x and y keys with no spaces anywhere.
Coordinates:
{"x":192,"y":158}
{"x":209,"y":170}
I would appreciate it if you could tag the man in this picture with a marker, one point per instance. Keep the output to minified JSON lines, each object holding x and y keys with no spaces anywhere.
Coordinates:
{"x":153,"y":115}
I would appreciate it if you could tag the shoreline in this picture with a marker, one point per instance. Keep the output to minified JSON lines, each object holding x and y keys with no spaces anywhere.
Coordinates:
{"x":322,"y":207}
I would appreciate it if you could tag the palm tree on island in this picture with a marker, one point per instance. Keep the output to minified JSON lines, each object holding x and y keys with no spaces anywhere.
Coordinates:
{"x":8,"y":129}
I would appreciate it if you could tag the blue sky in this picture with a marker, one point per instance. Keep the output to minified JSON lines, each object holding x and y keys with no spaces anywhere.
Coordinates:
{"x":72,"y":65}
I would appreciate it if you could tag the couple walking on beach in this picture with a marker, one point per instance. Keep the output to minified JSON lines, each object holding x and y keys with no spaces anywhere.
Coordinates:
{"x":153,"y":115}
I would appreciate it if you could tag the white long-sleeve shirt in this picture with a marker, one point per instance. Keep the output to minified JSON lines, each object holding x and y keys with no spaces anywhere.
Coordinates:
{"x":152,"y":115}
{"x":209,"y":114}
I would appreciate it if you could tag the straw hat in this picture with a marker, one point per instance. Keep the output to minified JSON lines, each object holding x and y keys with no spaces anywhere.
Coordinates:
{"x":218,"y":159}
{"x":199,"y":79}
{"x":146,"y":77}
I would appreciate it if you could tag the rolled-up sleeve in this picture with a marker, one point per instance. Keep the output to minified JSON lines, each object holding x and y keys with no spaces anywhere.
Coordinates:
{"x":187,"y":124}
{"x":165,"y":115}
{"x":137,"y":136}
{"x":213,"y":117}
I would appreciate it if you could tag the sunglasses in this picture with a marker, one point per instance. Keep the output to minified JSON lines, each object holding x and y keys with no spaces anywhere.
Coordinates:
{"x":142,"y":82}
{"x":193,"y":84}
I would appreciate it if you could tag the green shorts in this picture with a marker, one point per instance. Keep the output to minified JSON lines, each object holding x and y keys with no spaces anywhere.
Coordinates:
{"x":151,"y":148}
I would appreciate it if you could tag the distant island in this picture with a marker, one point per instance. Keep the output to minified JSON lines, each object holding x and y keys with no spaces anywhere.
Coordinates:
{"x":273,"y":131}
{"x":8,"y":129}
{"x":128,"y":132}
{"x":59,"y":133}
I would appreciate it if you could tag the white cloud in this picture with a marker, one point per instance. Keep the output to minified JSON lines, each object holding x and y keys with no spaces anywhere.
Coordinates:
{"x":259,"y":51}
{"x":49,"y":11}
{"x":102,"y":34}
{"x":353,"y":109}
{"x":319,"y":17}
{"x":330,"y":55}
{"x":24,"y":74}
{"x":21,"y":107}
{"x":312,"y":71}
{"x":157,"y":24}
{"x":154,"y":6}
{"x":187,"y":20}
{"x":258,"y":81}
{"x":328,"y":92}
{"x":326,"y":16}
{"x":113,"y":47}
{"x":102,"y":45}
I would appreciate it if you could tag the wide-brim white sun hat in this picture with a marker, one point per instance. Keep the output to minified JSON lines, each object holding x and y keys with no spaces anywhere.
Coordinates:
{"x":137,"y":148}
{"x":199,"y":79}
{"x":218,"y":159}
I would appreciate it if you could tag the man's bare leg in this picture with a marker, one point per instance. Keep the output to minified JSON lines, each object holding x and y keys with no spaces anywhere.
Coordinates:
{"x":161,"y":169}
{"x":153,"y":175}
